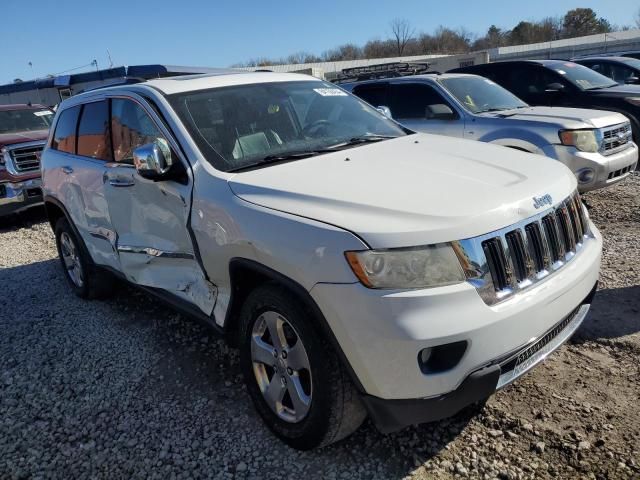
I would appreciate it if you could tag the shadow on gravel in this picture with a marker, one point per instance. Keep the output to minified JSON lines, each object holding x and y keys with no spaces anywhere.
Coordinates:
{"x":23,"y":220}
{"x":186,"y":391}
{"x":615,"y":313}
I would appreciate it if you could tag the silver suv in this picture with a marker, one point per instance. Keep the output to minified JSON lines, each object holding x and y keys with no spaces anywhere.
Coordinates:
{"x":596,"y":145}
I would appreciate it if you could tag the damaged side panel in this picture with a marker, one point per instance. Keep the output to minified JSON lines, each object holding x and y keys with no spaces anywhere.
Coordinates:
{"x":176,"y":272}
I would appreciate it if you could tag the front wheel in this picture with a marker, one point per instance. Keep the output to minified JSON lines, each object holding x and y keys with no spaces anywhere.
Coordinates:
{"x":293,"y":375}
{"x":85,"y":279}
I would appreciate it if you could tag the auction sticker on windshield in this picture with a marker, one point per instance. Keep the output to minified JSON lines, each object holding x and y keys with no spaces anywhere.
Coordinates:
{"x":330,"y":92}
{"x":42,"y":113}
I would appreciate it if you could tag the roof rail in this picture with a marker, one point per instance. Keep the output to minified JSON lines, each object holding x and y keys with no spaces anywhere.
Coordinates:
{"x":383,"y":70}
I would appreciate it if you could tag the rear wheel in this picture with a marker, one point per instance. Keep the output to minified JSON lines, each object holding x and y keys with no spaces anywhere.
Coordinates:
{"x":293,"y":375}
{"x":86,"y":280}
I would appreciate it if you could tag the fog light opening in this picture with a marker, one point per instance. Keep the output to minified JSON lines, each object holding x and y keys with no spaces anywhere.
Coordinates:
{"x":585,"y":175}
{"x":441,"y":358}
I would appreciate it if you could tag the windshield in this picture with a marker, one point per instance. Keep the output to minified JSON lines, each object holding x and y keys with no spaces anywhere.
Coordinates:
{"x":479,"y":94}
{"x":632,"y":62}
{"x":13,"y":121}
{"x":582,"y":77}
{"x":241,"y":126}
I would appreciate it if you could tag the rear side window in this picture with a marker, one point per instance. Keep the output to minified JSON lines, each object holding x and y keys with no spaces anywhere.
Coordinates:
{"x":412,"y":100}
{"x":131,"y":128}
{"x":64,"y":138}
{"x":376,"y":95}
{"x":94,"y":139}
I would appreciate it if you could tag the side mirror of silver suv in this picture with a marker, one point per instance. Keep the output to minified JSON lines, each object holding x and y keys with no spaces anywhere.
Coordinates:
{"x":153,"y":160}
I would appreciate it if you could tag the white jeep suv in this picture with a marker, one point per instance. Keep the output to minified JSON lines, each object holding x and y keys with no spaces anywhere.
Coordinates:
{"x":361,"y":268}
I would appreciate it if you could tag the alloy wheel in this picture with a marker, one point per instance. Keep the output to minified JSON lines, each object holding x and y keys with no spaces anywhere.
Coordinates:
{"x":281,"y":367}
{"x":71,"y":259}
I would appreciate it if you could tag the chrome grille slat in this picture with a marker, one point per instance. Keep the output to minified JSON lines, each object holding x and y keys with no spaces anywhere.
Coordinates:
{"x":504,"y":262}
{"x":616,"y":138}
{"x":554,"y":239}
{"x":26,"y":159}
{"x":495,"y":254}
{"x":566,"y":229}
{"x":538,"y":248}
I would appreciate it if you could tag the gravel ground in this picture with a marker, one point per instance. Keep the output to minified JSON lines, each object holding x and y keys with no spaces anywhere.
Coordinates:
{"x":130,"y":389}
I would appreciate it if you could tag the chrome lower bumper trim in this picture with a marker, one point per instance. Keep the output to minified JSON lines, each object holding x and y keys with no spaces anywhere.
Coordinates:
{"x":525,"y":362}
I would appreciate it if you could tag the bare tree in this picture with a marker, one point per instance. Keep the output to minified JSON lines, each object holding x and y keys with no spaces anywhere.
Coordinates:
{"x":402,"y":33}
{"x":637,"y":19}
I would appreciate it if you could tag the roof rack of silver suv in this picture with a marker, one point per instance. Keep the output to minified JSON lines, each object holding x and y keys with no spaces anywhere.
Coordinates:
{"x":383,"y":70}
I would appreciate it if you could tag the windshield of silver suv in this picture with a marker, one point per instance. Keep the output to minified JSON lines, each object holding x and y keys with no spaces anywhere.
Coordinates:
{"x":479,"y":94}
{"x":583,"y":77}
{"x":246,"y":126}
{"x":12,"y":121}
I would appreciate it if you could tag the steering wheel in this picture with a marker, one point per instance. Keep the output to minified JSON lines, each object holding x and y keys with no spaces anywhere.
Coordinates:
{"x":314,"y":127}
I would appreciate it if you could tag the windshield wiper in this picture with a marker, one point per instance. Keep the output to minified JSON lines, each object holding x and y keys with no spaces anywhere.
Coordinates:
{"x":362,"y":139}
{"x":282,"y":157}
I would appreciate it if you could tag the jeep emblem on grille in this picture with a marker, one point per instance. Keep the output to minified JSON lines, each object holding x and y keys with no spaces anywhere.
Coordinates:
{"x":539,"y":202}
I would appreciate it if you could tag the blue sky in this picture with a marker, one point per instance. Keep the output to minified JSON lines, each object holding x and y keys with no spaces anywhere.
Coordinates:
{"x":59,"y":35}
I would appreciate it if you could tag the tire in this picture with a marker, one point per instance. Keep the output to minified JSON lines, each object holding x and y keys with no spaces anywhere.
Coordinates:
{"x":85,"y":279}
{"x":334,"y":409}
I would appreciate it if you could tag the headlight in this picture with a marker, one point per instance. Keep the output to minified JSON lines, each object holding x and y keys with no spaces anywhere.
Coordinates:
{"x":633,"y":101}
{"x":419,"y":267}
{"x":583,"y":140}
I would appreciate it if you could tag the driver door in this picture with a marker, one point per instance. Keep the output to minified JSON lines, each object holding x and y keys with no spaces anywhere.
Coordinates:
{"x":151,"y":218}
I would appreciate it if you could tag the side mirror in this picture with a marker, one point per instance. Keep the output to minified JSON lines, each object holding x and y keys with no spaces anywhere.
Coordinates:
{"x":632,"y":81}
{"x":386,"y":111}
{"x":555,"y":87}
{"x":439,"y":111}
{"x":153,"y":160}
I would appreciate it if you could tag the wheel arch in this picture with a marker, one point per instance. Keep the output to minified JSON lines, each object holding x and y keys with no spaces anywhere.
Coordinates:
{"x":245,"y":275}
{"x":55,"y":211}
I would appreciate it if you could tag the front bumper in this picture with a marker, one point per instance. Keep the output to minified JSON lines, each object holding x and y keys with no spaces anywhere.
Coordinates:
{"x":607,"y":170}
{"x":392,"y":415}
{"x":18,"y":196}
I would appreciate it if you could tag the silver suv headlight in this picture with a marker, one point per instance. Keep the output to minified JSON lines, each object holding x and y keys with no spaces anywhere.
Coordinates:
{"x":583,"y":140}
{"x":398,"y":268}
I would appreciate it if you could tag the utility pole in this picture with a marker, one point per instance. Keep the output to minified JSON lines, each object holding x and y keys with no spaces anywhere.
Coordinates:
{"x":35,"y":83}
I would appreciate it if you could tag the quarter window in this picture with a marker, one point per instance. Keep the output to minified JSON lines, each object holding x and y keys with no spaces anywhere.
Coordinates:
{"x":93,"y":131}
{"x":64,"y":138}
{"x":131,"y":127}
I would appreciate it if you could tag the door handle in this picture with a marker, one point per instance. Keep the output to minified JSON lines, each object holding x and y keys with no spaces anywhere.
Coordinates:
{"x":67,"y":169}
{"x":121,"y":182}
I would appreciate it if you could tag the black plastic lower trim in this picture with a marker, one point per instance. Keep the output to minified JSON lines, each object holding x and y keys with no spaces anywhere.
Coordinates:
{"x":392,"y":415}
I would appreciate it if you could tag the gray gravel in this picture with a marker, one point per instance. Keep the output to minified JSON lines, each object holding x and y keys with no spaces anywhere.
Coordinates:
{"x":127,"y":388}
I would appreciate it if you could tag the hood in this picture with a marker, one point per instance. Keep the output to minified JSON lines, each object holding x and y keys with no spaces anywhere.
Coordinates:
{"x":22,"y":137}
{"x":562,"y":116}
{"x":617,"y":91}
{"x":413,"y":190}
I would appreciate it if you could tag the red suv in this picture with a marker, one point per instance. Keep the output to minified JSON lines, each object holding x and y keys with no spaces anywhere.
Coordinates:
{"x":23,"y":133}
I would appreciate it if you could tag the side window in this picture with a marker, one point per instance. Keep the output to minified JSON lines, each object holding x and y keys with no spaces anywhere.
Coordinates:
{"x":414,"y":100}
{"x":131,"y":128}
{"x":93,"y":131}
{"x":531,"y":81}
{"x":620,"y":73}
{"x":375,"y":95}
{"x":64,"y":138}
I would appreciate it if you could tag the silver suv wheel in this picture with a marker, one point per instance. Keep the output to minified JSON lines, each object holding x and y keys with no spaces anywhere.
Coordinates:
{"x":281,"y":367}
{"x":71,"y":259}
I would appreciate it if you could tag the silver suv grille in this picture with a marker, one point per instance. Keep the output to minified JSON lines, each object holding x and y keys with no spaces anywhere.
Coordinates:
{"x":27,"y":159}
{"x":617,"y":138}
{"x":502,"y":263}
